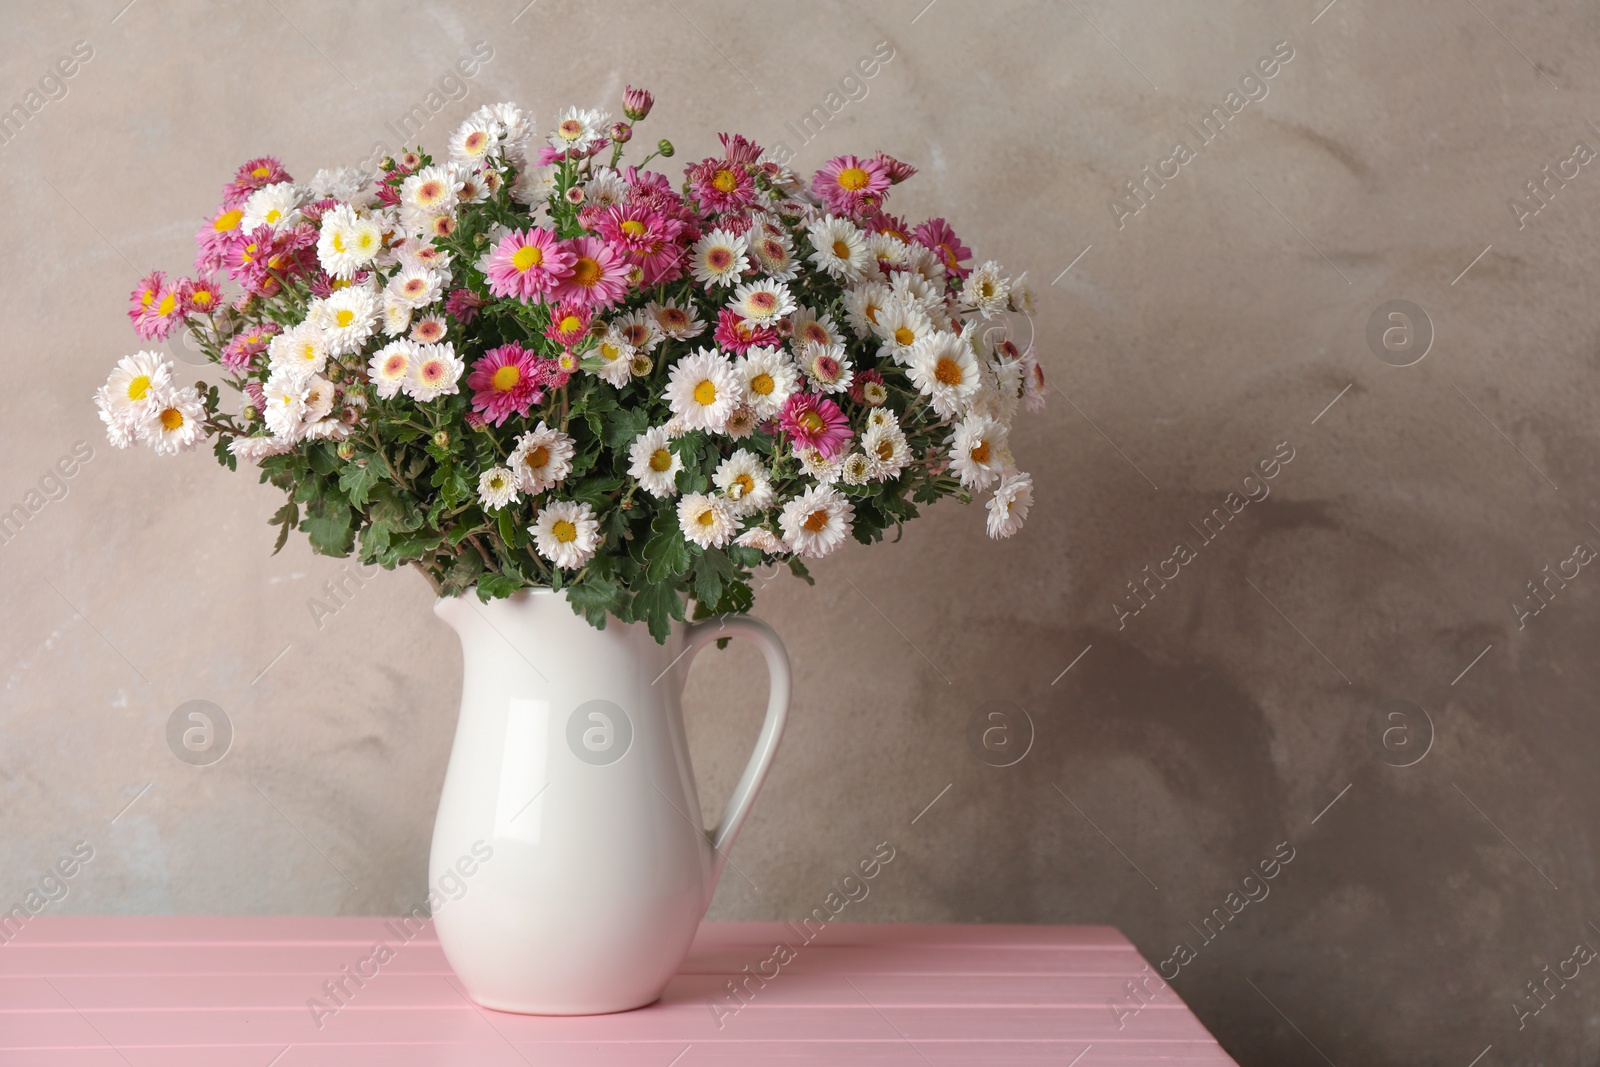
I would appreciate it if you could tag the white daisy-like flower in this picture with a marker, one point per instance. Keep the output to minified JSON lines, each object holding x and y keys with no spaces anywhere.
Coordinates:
{"x":415,"y":287}
{"x":762,"y":301}
{"x":475,"y":140}
{"x":276,"y":206}
{"x":513,"y":126}
{"x":826,"y":368}
{"x":864,"y":304}
{"x":639,"y":329}
{"x":809,"y":327}
{"x":256,"y":449}
{"x":578,"y":128}
{"x":121,"y":430}
{"x":856,"y":469}
{"x":285,"y":395}
{"x":430,"y":329}
{"x":874,"y":394}
{"x":768,"y":379}
{"x":430,"y":191}
{"x":976,"y":449}
{"x":708,"y":521}
{"x":887,"y":251}
{"x":566,"y":533}
{"x":653,"y":463}
{"x":423,"y":254}
{"x":744,"y":482}
{"x":435,"y":370}
{"x":839,"y":247}
{"x":347,"y":242}
{"x":174,"y":422}
{"x":390,"y":367}
{"x":348,"y":318}
{"x":616,"y":358}
{"x":817,"y":521}
{"x":350,"y":184}
{"x":605,"y":188}
{"x":774,"y":253}
{"x":677,"y":321}
{"x":986,"y":289}
{"x":887,"y":452}
{"x":901,"y":326}
{"x":533,"y":185}
{"x":318,"y":394}
{"x":542,"y":459}
{"x":742,"y":423}
{"x":134,"y":385}
{"x":1009,"y":505}
{"x":475,"y":183}
{"x":818,"y":466}
{"x":396,"y":315}
{"x":759,"y":537}
{"x":703,"y":389}
{"x":719,"y":258}
{"x":926,"y":296}
{"x":299,"y":352}
{"x":497,"y":487}
{"x":1022,"y":295}
{"x":944,"y":369}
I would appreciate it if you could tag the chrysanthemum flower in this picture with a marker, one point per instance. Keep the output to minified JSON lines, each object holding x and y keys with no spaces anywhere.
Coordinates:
{"x":213,"y":238}
{"x":504,"y":382}
{"x":838,"y":247}
{"x":863,"y":305}
{"x":678,"y":321}
{"x":542,"y":459}
{"x":276,"y":206}
{"x":887,"y":451}
{"x":769,"y":378}
{"x":808,"y":327}
{"x":744,"y":481}
{"x":762,"y":301}
{"x":463,"y":305}
{"x":703,"y":390}
{"x":199,"y":296}
{"x":937,"y":235}
{"x":718,"y":258}
{"x":174,"y":422}
{"x":986,"y":289}
{"x":1008,"y":508}
{"x":348,"y":318}
{"x":527,"y":264}
{"x":390,"y":367}
{"x":817,"y":521}
{"x":566,"y":533}
{"x":636,"y":103}
{"x":901,"y":326}
{"x":579,"y":129}
{"x":708,"y":521}
{"x":434,"y":373}
{"x":416,"y":287}
{"x":976,"y":449}
{"x":815,"y":422}
{"x":598,"y":276}
{"x":240,"y":353}
{"x":130,"y":393}
{"x":569,"y":323}
{"x":759,"y":537}
{"x":826,"y":367}
{"x":943,"y":368}
{"x":253,"y":175}
{"x":163,"y":313}
{"x":497,"y":487}
{"x":738,"y":334}
{"x":720,"y":186}
{"x":848,"y":184}
{"x":347,"y":242}
{"x":653,"y":462}
{"x":429,"y":330}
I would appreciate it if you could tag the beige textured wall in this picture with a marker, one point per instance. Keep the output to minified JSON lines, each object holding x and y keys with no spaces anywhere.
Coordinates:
{"x":1185,"y":345}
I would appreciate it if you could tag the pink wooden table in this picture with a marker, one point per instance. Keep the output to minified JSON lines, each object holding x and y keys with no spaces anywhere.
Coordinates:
{"x":160,"y":991}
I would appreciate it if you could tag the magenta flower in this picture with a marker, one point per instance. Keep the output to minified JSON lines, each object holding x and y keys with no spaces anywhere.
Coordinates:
{"x":464,"y":304}
{"x":648,"y":240}
{"x":636,"y":103}
{"x":164,"y":311}
{"x":848,"y":184}
{"x":214,"y":238}
{"x":201,"y":297}
{"x":528,"y":264}
{"x":896,"y":170}
{"x":568,"y":323}
{"x":815,"y":422}
{"x":720,"y":186}
{"x":505,"y":381}
{"x":937,"y":235}
{"x":255,"y":174}
{"x":598,"y":277}
{"x":144,"y":295}
{"x":241,"y":351}
{"x":734,"y":333}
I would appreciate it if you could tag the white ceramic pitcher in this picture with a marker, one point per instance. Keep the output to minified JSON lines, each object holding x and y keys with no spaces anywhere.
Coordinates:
{"x":571,"y":763}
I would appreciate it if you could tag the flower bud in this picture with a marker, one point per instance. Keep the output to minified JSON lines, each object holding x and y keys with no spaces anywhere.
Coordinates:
{"x":249,"y":413}
{"x":636,"y":104}
{"x":665,"y":149}
{"x":441,"y":439}
{"x":335,"y":372}
{"x":621,"y":132}
{"x":575,"y":195}
{"x":345,"y":450}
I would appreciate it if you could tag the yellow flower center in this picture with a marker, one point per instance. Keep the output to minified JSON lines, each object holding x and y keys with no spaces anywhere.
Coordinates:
{"x":871,"y":313}
{"x":980,"y":452}
{"x":570,"y":130}
{"x":564,"y":531}
{"x":171,"y":419}
{"x":841,"y":249}
{"x":338,"y":242}
{"x":853,"y":178}
{"x":527,"y":257}
{"x":706,"y":517}
{"x":168,"y":303}
{"x":364,"y":241}
{"x":260,"y":172}
{"x":609,"y":351}
{"x":744,"y":483}
{"x":586,"y":272}
{"x":811,"y":422}
{"x":903,"y":336}
{"x":762,"y":384}
{"x":538,"y":459}
{"x":947,"y":371}
{"x":228,"y":220}
{"x":706,"y":392}
{"x":724,"y":181}
{"x":506,"y":378}
{"x":345,"y":317}
{"x":633,"y":227}
{"x":661,"y":461}
{"x":139,"y":388}
{"x":201,"y":297}
{"x":273,"y":215}
{"x":885,"y":451}
{"x":816,"y":521}
{"x":571,"y":324}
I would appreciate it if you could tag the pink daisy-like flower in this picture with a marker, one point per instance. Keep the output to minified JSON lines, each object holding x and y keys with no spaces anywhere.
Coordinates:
{"x":464,"y":305}
{"x":883,"y":222}
{"x":428,"y":330}
{"x":636,"y":103}
{"x":647,"y":238}
{"x":815,"y":422}
{"x":242,"y":349}
{"x":162,"y":314}
{"x":720,"y":186}
{"x":528,"y":264}
{"x":199,"y":297}
{"x":552,"y":375}
{"x":214,"y":238}
{"x":255,"y":174}
{"x":598,"y":277}
{"x":734,"y":333}
{"x":144,"y":295}
{"x":937,"y":235}
{"x":896,"y":170}
{"x":569,"y":323}
{"x":848,"y":184}
{"x":739,"y":148}
{"x":505,"y":381}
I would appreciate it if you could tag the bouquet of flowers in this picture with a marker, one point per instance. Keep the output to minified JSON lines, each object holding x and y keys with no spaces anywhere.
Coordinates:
{"x":522,"y":366}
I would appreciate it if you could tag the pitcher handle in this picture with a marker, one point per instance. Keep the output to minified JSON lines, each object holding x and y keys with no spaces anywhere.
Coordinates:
{"x":697,"y":636}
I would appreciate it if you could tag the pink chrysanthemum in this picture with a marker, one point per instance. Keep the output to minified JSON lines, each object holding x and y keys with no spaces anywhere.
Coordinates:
{"x":815,"y":422}
{"x":241,"y":351}
{"x":214,"y":238}
{"x":937,"y":235}
{"x":893,"y":225}
{"x":505,"y":381}
{"x":552,"y":375}
{"x":861,"y":380}
{"x":144,"y":295}
{"x":896,"y":170}
{"x":598,"y":277}
{"x":735,"y":333}
{"x":255,"y":174}
{"x":528,"y":264}
{"x":647,"y":238}
{"x":199,"y":297}
{"x":464,"y":305}
{"x":164,"y":311}
{"x":849,"y":185}
{"x":720,"y":185}
{"x":568,"y":323}
{"x":636,"y":103}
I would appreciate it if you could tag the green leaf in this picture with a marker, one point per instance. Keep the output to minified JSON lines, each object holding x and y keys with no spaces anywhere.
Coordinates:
{"x":328,"y":526}
{"x":595,"y":599}
{"x":713,"y":569}
{"x":495,"y":586}
{"x":657,"y":606}
{"x":798,"y":569}
{"x":358,"y":480}
{"x":286,"y":518}
{"x":666,"y":554}
{"x":623,"y":426}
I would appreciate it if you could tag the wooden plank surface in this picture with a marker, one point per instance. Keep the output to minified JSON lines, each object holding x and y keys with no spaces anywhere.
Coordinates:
{"x":180,"y":991}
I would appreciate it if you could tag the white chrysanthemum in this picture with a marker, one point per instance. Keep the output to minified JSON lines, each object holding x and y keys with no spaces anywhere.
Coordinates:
{"x":769,"y":378}
{"x":299,"y":352}
{"x":616,"y":358}
{"x":533,"y":185}
{"x":719,"y":258}
{"x":863,"y":304}
{"x":826,"y":368}
{"x":986,"y":289}
{"x":513,"y":126}
{"x":839,"y":247}
{"x":121,"y":429}
{"x":434,"y":372}
{"x":566,"y":533}
{"x":416,"y":287}
{"x":817,"y":466}
{"x":604,"y":189}
{"x":856,"y":469}
{"x":762,"y":301}
{"x":474,"y":183}
{"x":1034,"y":389}
{"x":639,"y":329}
{"x":256,"y":449}
{"x":542,"y":458}
{"x":475,"y":140}
{"x":760,"y":537}
{"x":886,"y":449}
{"x":349,"y":184}
{"x":901,"y":326}
{"x":390,"y":367}
{"x":497,"y":487}
{"x":396,"y":315}
{"x":347,"y":242}
{"x":976,"y":449}
{"x":578,"y":128}
{"x":174,"y":422}
{"x":944,"y":369}
{"x":285,"y":395}
{"x":134,"y":384}
{"x":774,"y":253}
{"x":430,"y":191}
{"x":703,"y":390}
{"x":1009,"y":505}
{"x":741,"y":423}
{"x":318,"y":394}
{"x":817,"y":521}
{"x":808,"y":327}
{"x":348,"y":318}
{"x":276,"y":205}
{"x":654,"y":463}
{"x":887,"y":251}
{"x":678,"y":321}
{"x":744,"y":481}
{"x":708,"y":521}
